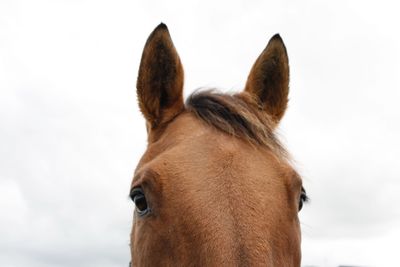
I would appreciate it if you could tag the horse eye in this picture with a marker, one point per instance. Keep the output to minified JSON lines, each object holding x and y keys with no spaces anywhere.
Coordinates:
{"x":303,"y":198}
{"x":139,"y":199}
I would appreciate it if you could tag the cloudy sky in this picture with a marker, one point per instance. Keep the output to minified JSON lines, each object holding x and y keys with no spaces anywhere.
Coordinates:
{"x":71,"y":132}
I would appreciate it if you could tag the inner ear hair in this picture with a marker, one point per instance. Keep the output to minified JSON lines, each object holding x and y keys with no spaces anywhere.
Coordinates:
{"x":160,"y":80}
{"x":268,"y":81}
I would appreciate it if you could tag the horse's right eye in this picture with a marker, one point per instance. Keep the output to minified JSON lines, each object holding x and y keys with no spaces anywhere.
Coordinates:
{"x":140,"y":201}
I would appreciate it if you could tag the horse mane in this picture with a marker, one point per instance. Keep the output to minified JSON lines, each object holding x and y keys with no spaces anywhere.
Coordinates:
{"x":234,"y":115}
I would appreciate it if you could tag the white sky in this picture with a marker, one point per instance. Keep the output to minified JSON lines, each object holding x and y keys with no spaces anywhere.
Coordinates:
{"x":71,"y":133}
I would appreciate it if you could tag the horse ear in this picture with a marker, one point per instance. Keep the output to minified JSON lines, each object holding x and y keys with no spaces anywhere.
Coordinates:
{"x":160,"y":80}
{"x":268,"y":81}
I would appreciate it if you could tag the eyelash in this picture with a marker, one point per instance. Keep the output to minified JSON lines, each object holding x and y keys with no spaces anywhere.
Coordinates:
{"x":303,"y":198}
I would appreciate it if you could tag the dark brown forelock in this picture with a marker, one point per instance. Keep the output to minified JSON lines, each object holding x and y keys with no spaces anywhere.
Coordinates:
{"x":235,"y":116}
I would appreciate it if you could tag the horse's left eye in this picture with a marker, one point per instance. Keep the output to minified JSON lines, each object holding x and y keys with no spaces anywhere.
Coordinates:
{"x":303,"y":198}
{"x":140,"y":201}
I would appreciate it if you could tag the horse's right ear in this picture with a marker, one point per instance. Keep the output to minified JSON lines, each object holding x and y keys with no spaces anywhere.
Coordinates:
{"x":160,"y":80}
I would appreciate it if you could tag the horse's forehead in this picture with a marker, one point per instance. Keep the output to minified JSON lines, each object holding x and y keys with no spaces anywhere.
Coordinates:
{"x":189,"y":136}
{"x":189,"y":143}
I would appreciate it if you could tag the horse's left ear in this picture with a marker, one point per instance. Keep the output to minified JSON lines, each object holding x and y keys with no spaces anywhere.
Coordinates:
{"x":268,"y":81}
{"x":160,"y":81}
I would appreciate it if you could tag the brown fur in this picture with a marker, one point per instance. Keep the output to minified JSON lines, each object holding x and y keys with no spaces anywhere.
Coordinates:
{"x":160,"y":80}
{"x":268,"y":80}
{"x":234,"y":115}
{"x":219,"y":190}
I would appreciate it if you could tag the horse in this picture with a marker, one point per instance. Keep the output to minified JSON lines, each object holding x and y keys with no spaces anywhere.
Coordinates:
{"x":215,"y":187}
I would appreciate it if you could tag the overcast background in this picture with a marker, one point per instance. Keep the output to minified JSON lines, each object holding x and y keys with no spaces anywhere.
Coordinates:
{"x":71,"y":133}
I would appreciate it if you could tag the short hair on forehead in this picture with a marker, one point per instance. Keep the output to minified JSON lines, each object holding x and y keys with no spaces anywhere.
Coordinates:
{"x":233,"y":115}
